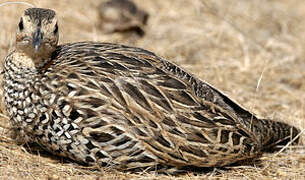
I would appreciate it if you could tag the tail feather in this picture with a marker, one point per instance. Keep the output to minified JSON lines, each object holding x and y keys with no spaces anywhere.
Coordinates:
{"x":272,"y":133}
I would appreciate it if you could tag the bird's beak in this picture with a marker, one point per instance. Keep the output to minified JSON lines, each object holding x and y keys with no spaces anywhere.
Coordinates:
{"x":37,"y":38}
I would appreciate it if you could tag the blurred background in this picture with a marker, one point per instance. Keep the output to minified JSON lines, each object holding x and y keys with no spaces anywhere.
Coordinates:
{"x":251,"y":50}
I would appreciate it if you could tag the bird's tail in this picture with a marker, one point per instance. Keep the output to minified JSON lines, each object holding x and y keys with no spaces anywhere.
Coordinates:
{"x":272,"y":133}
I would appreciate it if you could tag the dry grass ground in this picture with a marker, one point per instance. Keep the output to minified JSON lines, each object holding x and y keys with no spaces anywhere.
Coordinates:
{"x":252,"y":50}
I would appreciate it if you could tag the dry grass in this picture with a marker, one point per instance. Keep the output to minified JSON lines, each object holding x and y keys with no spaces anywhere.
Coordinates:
{"x":252,"y":50}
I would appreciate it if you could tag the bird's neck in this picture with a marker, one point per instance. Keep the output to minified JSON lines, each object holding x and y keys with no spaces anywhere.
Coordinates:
{"x":24,"y":61}
{"x":19,"y":67}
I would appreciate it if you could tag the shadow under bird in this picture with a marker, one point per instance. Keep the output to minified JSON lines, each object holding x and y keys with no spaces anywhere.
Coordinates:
{"x":123,"y":107}
{"x":122,"y":16}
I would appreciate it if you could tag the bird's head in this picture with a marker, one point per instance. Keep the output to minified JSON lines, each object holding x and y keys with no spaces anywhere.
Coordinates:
{"x":37,"y":33}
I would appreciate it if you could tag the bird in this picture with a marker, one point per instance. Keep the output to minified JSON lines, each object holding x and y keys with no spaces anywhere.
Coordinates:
{"x":122,"y":16}
{"x":124,"y":107}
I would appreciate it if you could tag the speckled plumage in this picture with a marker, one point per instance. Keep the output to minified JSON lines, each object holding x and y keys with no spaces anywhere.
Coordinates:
{"x":125,"y":107}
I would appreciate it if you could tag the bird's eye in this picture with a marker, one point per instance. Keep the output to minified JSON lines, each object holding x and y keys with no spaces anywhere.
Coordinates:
{"x":20,"y":25}
{"x":56,"y":28}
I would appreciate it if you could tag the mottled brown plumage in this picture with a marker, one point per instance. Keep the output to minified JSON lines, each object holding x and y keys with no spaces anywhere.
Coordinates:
{"x":122,"y":16}
{"x":124,"y":107}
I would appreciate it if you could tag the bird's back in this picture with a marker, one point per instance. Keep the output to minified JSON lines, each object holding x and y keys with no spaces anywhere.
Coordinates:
{"x":130,"y":100}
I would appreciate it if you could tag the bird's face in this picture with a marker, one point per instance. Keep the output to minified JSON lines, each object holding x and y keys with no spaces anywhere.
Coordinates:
{"x":37,"y":33}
